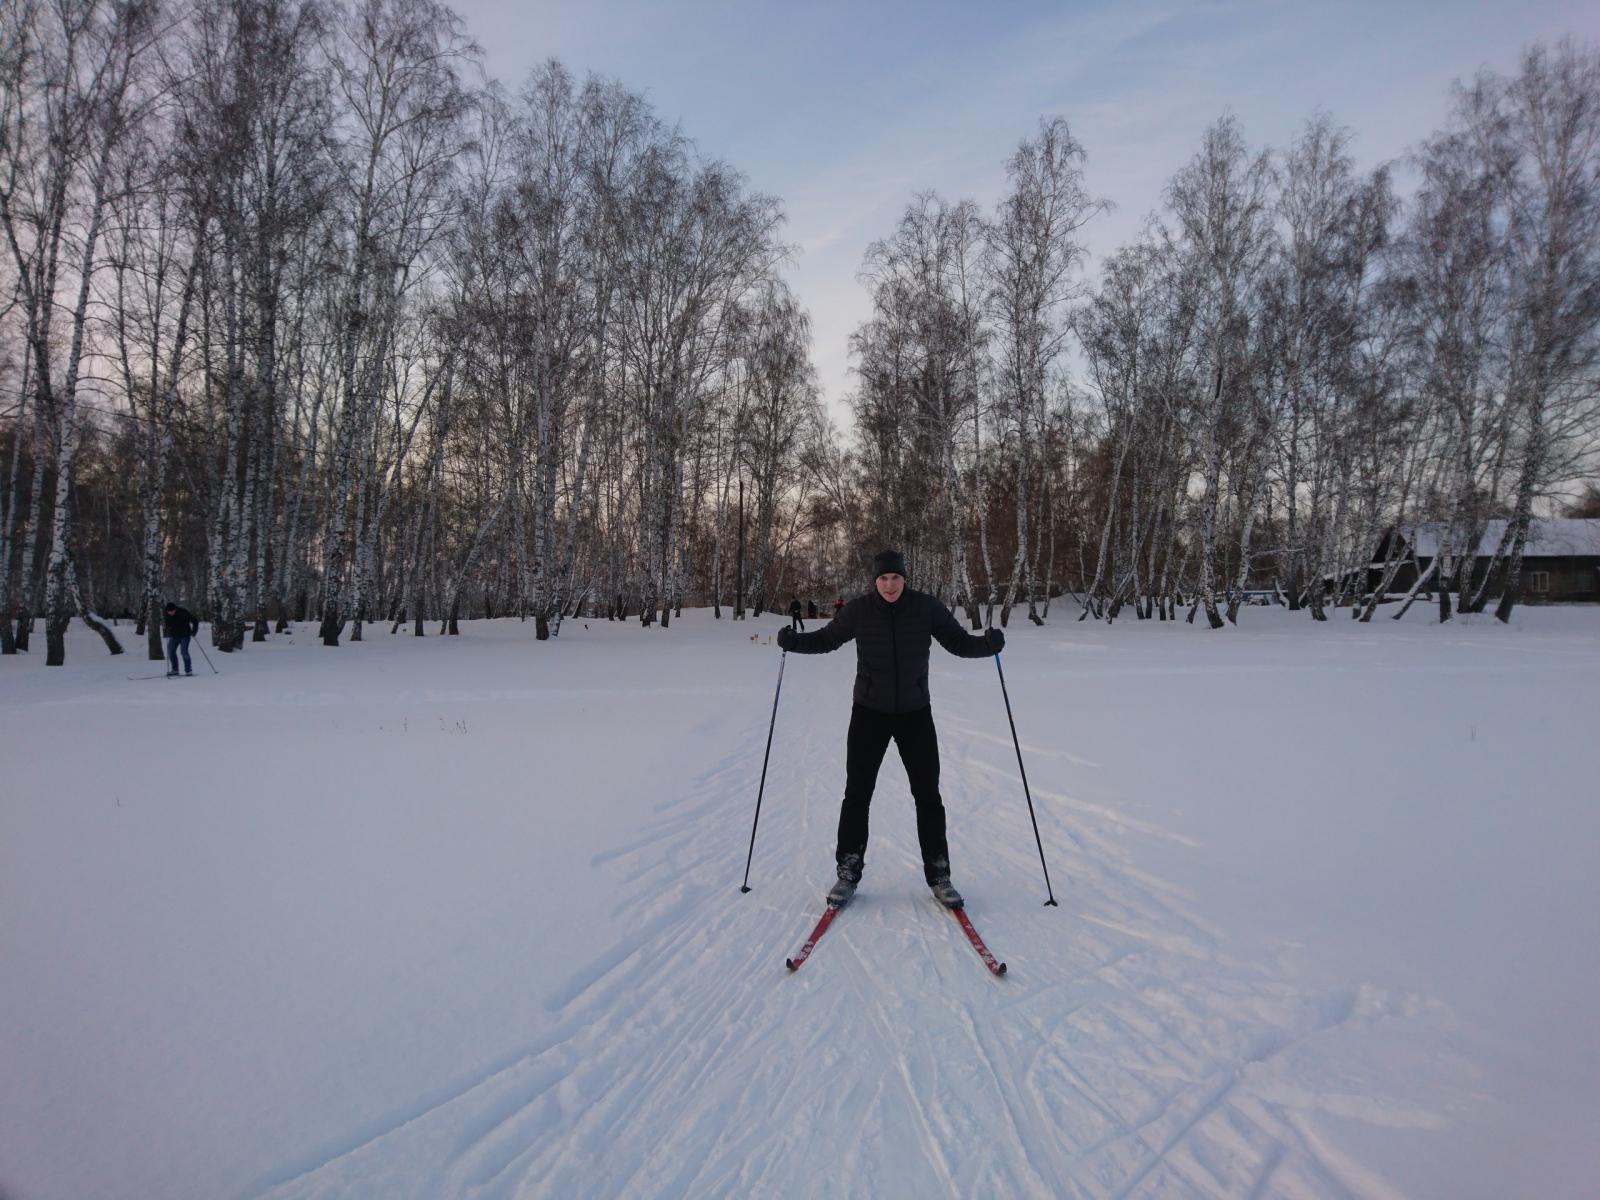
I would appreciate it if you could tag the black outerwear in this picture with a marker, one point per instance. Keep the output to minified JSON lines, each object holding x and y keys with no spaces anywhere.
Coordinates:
{"x":892,"y":643}
{"x":179,"y":623}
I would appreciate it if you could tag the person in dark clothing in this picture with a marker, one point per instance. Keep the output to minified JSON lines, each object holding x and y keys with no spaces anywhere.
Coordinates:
{"x":811,"y":610}
{"x":893,"y":628}
{"x":796,"y":622}
{"x":179,"y":625}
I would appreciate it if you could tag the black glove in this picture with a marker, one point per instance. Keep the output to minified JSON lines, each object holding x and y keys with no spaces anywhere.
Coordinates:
{"x":995,"y":638}
{"x":786,"y":638}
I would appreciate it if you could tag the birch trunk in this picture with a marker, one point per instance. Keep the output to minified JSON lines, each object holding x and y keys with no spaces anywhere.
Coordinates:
{"x":8,"y":637}
{"x":1209,"y":503}
{"x":32,"y":543}
{"x":57,"y":614}
{"x":1517,"y":527}
{"x":1417,"y":587}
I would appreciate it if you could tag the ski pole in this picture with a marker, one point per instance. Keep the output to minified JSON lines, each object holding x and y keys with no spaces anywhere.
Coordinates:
{"x":762,"y":789}
{"x":1052,"y":901}
{"x":204,"y":655}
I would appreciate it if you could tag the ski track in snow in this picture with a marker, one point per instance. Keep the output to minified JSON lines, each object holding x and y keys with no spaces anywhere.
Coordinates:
{"x":1128,"y":1053}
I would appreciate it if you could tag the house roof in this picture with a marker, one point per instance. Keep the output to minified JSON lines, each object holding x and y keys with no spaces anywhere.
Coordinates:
{"x":1559,"y":537}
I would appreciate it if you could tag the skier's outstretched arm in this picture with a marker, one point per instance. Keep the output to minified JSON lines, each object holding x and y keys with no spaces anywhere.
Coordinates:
{"x":830,"y":637}
{"x":958,"y":641}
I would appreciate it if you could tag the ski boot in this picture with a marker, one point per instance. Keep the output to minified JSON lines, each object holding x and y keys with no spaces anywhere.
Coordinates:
{"x":849,"y":869}
{"x":945,"y":893}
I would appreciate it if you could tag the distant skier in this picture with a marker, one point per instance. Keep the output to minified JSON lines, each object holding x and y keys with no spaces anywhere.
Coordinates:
{"x":893,"y":627}
{"x":811,"y":610}
{"x":796,"y":621}
{"x":179,"y":625}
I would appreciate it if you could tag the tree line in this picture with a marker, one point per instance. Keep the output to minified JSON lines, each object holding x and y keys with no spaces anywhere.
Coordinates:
{"x":299,"y":325}
{"x":1289,"y":362}
{"x":302,"y":319}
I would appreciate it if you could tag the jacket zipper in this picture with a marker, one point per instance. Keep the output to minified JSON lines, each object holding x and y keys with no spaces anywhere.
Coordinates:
{"x":894,"y":654}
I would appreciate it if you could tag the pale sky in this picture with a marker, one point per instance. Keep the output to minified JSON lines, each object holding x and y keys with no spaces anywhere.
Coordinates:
{"x":844,"y":110}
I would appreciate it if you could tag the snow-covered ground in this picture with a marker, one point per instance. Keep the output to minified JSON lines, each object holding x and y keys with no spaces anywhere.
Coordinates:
{"x":461,"y":917}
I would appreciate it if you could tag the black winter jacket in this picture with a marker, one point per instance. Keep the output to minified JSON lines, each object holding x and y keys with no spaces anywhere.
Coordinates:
{"x":892,"y":642}
{"x":179,"y":623}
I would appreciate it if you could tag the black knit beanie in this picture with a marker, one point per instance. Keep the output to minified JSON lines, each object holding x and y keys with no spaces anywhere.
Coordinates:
{"x":889,"y":562}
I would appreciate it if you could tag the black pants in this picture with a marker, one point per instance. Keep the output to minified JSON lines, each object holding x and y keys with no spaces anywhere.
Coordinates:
{"x":918,"y":742}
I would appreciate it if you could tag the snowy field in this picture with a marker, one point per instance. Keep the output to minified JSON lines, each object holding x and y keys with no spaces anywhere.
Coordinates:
{"x":461,"y":917}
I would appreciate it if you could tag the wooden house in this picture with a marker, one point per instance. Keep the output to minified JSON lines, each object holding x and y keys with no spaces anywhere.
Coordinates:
{"x":1560,"y":559}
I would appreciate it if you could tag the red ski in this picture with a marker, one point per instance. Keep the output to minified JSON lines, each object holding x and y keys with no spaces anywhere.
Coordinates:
{"x":989,"y":960}
{"x":816,"y":935}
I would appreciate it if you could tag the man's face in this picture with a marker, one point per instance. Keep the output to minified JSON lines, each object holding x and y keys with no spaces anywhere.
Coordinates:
{"x":890,"y":586}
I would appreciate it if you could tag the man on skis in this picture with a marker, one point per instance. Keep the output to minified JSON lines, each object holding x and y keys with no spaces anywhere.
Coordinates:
{"x":179,"y":625}
{"x":893,"y":627}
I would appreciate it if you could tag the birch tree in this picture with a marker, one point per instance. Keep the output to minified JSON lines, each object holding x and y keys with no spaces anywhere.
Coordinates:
{"x":772,"y":347}
{"x":1551,"y":114}
{"x":1223,"y":236}
{"x":90,"y":60}
{"x":396,"y":69}
{"x":918,"y":407}
{"x":1035,"y":248}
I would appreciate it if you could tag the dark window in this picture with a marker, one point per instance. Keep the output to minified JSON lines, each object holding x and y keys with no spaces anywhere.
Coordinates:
{"x":1539,"y":581}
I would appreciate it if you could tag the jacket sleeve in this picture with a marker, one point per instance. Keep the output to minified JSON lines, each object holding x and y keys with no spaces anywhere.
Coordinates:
{"x":830,"y":637}
{"x":956,"y":639}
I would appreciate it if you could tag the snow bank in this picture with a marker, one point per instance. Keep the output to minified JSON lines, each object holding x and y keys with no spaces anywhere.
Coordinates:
{"x":460,"y":916}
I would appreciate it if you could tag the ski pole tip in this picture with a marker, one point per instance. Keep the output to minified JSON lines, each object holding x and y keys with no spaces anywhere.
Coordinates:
{"x":1050,"y":903}
{"x":743,"y":890}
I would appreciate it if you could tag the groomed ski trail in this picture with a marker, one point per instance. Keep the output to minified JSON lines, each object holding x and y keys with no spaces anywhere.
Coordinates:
{"x":1127,"y":1053}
